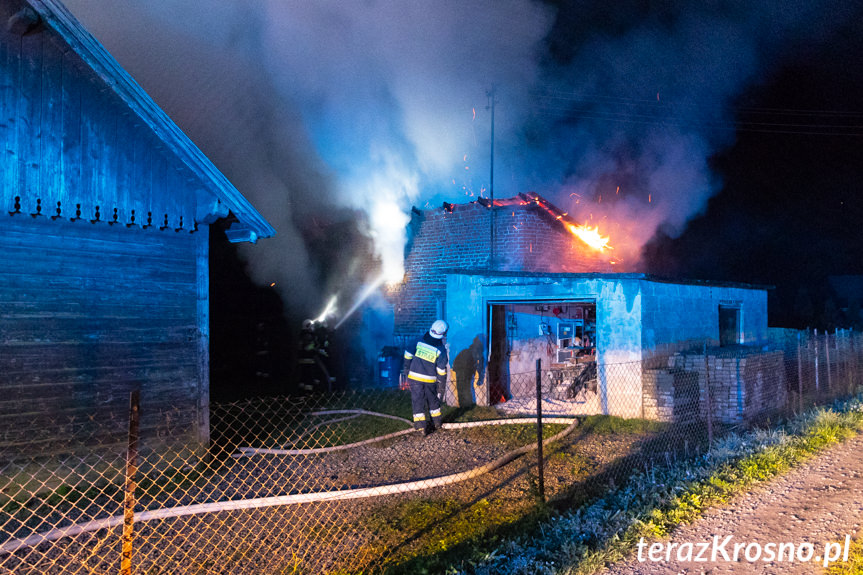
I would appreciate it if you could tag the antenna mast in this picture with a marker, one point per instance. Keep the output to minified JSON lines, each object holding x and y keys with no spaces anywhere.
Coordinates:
{"x":491,"y":96}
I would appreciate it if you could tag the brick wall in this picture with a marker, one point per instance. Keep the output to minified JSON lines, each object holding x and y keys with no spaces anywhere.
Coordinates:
{"x":670,"y":395}
{"x":744,"y":385}
{"x":526,"y":239}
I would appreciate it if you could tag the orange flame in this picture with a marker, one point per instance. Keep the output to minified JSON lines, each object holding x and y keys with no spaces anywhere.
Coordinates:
{"x":587,"y":234}
{"x":591,"y":237}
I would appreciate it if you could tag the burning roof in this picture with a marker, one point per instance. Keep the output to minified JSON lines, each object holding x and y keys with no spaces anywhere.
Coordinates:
{"x":589,"y":235}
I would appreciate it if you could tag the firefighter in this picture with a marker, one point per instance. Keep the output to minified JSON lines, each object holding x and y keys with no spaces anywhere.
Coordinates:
{"x":322,"y":337}
{"x":307,"y":357}
{"x":314,"y":340}
{"x":425,"y":369}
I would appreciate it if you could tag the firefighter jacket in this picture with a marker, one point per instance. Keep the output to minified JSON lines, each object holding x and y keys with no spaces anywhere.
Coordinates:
{"x":426,"y":361}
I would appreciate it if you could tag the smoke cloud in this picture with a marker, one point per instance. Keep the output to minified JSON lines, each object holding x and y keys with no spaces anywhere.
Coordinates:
{"x":633,"y":101}
{"x":328,"y":113}
{"x":341,"y":115}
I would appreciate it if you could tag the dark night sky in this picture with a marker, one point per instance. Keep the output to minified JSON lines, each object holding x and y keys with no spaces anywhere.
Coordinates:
{"x":790,"y":207}
{"x":731,"y":129}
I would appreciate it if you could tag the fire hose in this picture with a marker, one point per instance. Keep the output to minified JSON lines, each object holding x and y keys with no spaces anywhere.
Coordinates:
{"x":339,"y":495}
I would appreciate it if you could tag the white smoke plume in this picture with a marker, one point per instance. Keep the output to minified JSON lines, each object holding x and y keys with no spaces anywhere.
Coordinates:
{"x":319,"y":111}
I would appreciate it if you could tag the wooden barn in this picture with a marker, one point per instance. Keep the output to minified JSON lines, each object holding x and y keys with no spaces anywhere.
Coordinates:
{"x":106,"y":206}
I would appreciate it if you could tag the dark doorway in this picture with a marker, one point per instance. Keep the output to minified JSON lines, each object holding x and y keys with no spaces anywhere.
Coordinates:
{"x":498,"y":357}
{"x":729,"y":325}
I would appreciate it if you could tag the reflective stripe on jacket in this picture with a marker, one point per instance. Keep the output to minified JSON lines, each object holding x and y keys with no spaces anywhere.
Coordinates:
{"x":427,"y":362}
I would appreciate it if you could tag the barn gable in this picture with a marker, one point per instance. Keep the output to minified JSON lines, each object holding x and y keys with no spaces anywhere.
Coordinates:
{"x":105,"y":208}
{"x":81,"y":135}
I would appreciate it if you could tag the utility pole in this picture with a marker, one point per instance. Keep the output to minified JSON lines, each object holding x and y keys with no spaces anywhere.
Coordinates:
{"x":491,"y":94}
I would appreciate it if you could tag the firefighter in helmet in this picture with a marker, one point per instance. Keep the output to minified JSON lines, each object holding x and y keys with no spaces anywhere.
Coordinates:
{"x":425,"y":368}
{"x":314,"y":340}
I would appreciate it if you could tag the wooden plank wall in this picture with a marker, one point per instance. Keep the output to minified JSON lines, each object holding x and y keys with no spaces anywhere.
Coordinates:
{"x":89,"y":312}
{"x":94,"y":302}
{"x":68,"y":138}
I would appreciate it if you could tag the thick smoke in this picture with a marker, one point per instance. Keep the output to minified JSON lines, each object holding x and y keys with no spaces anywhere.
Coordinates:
{"x":328,"y":115}
{"x":333,"y":113}
{"x":202,"y":68}
{"x":634,"y":100}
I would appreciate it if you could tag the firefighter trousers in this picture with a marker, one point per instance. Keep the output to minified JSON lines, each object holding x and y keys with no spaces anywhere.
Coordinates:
{"x":424,"y":397}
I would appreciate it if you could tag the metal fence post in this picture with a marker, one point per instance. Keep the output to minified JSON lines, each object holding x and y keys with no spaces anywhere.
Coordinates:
{"x":131,"y":470}
{"x":539,"y":459}
{"x":846,"y":353}
{"x":709,"y":401}
{"x":827,"y":361}
{"x":842,"y":352}
{"x":799,"y":373}
{"x":817,"y":378}
{"x":854,"y":364}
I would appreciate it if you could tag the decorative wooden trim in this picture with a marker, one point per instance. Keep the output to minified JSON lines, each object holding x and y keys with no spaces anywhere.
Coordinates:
{"x":109,"y":70}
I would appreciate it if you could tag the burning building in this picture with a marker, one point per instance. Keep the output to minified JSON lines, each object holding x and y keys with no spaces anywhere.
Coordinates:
{"x":530,"y":235}
{"x":540,"y":291}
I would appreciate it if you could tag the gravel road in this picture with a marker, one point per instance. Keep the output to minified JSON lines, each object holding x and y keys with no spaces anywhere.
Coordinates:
{"x":818,"y":503}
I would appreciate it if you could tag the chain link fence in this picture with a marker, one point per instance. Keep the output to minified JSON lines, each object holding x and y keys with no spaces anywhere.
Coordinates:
{"x":341,"y":483}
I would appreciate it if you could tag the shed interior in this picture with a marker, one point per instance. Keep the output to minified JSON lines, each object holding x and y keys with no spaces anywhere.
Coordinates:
{"x":562,"y":334}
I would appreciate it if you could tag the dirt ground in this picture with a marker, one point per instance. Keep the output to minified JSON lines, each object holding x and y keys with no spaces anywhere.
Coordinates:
{"x":330,"y":535}
{"x":819,"y":502}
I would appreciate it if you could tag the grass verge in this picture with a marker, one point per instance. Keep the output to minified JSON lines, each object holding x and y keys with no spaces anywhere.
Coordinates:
{"x":854,"y":565}
{"x":585,"y":540}
{"x":427,"y":535}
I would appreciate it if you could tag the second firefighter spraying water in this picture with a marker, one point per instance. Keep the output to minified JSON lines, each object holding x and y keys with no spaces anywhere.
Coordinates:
{"x":425,"y":368}
{"x":314,"y":375}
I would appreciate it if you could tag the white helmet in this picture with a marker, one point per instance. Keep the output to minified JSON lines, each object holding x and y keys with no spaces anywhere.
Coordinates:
{"x":438,"y":329}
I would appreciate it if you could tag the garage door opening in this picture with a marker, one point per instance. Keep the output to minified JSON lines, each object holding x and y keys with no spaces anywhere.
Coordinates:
{"x":562,"y":334}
